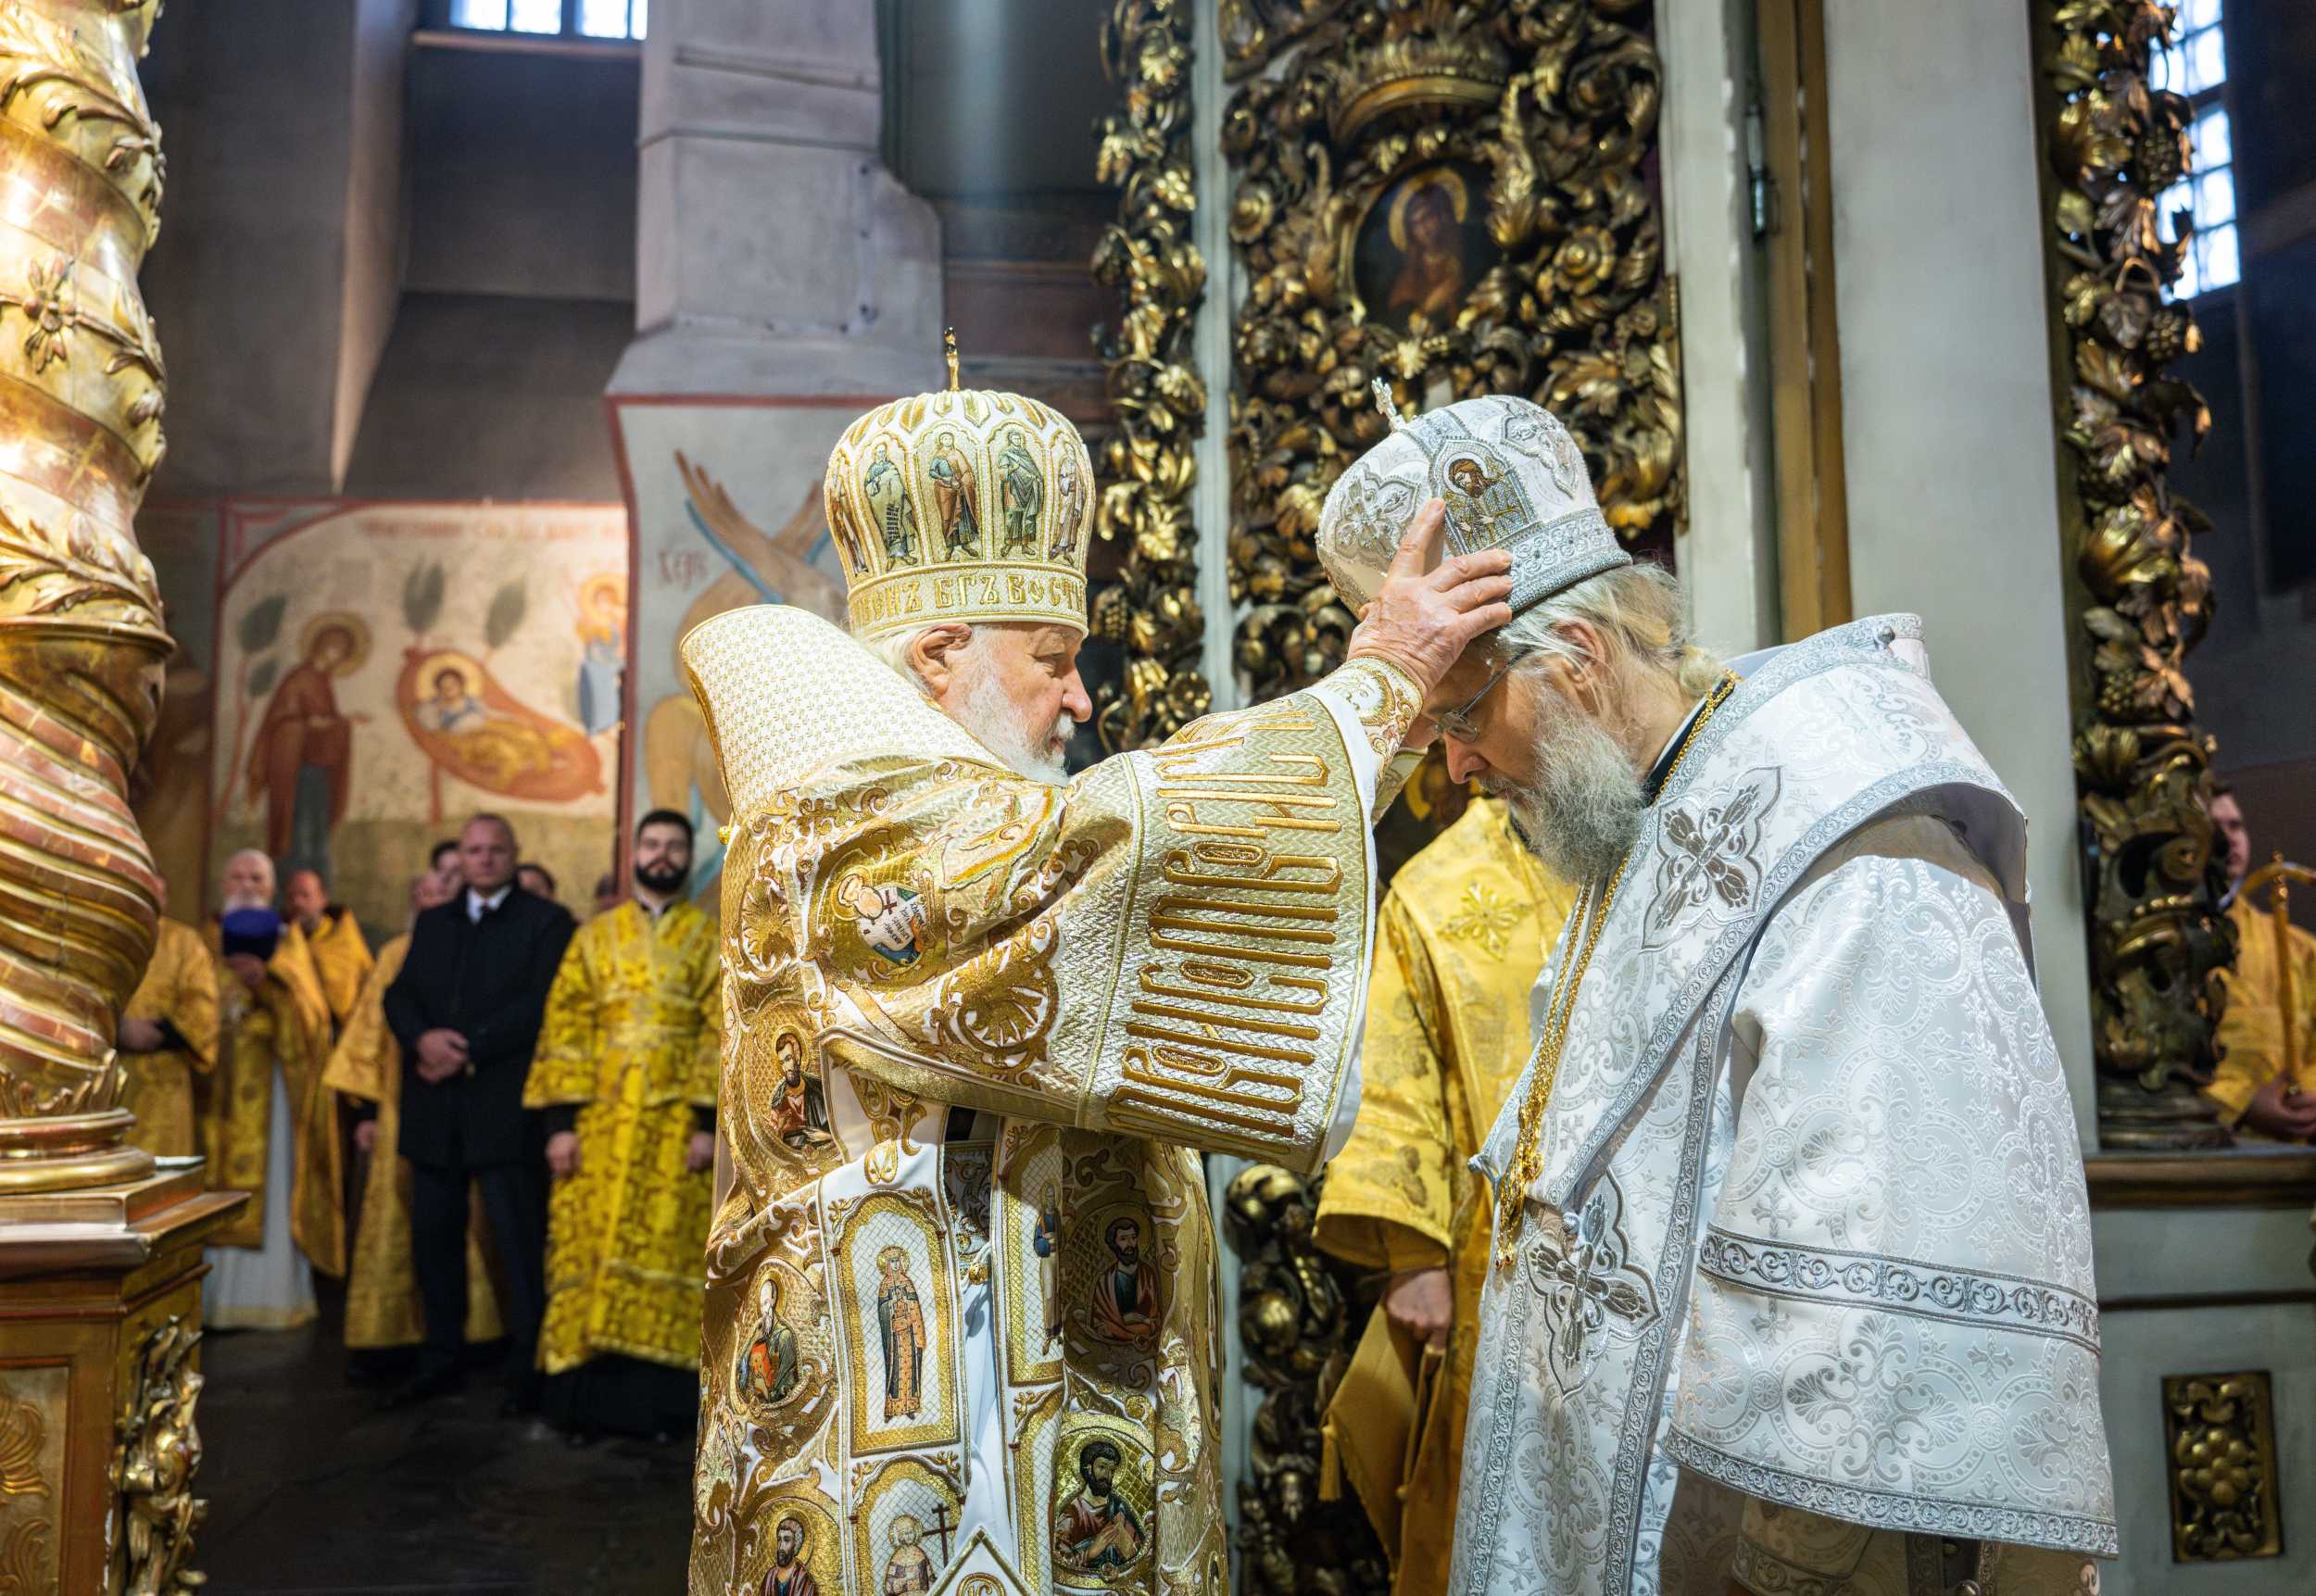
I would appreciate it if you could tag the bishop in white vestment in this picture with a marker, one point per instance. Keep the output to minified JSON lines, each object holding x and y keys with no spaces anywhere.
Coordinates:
{"x":1791,"y":1281}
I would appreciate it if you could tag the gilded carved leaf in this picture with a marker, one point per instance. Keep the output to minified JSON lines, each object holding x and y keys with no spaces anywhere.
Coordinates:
{"x":2115,"y":145}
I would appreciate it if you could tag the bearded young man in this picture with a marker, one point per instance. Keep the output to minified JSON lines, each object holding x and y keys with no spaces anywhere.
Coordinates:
{"x":972,"y":1005}
{"x":625,"y":1076}
{"x":1792,"y":1277}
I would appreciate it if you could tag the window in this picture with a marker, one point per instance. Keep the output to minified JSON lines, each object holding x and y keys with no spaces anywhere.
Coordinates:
{"x":2196,"y":65}
{"x":580,"y":19}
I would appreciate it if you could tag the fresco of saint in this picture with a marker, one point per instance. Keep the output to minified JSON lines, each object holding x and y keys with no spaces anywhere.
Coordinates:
{"x":301,"y":758}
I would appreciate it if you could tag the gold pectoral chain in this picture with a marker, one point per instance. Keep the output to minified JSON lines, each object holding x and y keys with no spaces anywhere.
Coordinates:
{"x":1586,"y":922}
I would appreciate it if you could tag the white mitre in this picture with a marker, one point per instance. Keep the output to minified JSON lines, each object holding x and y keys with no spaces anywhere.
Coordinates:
{"x":1510,"y":476}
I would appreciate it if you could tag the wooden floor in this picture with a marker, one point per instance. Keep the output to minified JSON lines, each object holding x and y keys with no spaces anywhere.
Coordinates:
{"x":310,"y":1490}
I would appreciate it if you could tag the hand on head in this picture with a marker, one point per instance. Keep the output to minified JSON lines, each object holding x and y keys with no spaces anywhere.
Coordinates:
{"x":1422,"y":618}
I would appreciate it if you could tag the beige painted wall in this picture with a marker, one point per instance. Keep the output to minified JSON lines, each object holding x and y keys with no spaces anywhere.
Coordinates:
{"x":1946,"y":410}
{"x":1728,"y":555}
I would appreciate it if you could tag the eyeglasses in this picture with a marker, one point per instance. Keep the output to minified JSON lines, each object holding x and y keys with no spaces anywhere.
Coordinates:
{"x":1457,"y":722}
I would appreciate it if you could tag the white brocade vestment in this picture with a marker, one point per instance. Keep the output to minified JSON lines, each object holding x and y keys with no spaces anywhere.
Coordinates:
{"x":1811,"y":1228}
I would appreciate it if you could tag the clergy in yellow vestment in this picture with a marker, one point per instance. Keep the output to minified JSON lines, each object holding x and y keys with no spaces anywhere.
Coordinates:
{"x":381,"y":1304}
{"x":627,"y":1074}
{"x":2251,"y":1026}
{"x":168,"y":1036}
{"x":2250,"y":1082}
{"x":340,"y":957}
{"x":268,"y":1126}
{"x":1460,"y":937}
{"x":982,"y":1017}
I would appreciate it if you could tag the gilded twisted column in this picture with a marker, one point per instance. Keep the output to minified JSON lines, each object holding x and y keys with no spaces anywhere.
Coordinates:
{"x":81,"y":636}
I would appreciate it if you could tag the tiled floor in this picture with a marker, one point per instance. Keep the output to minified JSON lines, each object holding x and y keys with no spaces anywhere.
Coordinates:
{"x":310,"y":1490}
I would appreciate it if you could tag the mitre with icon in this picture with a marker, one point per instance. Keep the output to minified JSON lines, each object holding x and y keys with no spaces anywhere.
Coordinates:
{"x":967,"y":506}
{"x":1510,"y":476}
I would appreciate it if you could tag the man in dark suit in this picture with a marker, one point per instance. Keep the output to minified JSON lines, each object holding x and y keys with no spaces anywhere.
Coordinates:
{"x":466,"y":1010}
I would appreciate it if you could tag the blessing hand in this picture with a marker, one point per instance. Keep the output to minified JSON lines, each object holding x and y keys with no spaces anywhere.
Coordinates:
{"x":1422,"y":622}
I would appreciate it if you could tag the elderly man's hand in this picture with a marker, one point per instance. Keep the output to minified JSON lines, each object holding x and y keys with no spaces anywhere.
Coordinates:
{"x":2279,"y":1112}
{"x":1422,"y":622}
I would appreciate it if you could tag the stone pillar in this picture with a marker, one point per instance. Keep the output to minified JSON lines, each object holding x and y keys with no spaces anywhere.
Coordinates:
{"x":1726,"y":556}
{"x":1942,"y":205}
{"x":774,"y":254}
{"x":784,"y":282}
{"x":1949,"y":417}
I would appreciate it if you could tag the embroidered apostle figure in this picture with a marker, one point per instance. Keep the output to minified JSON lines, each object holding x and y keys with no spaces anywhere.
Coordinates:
{"x":1095,"y":1531}
{"x":1126,"y":1294}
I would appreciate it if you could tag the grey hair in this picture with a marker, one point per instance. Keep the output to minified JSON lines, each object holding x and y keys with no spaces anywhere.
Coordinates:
{"x":893,"y":649}
{"x":1637,"y":608}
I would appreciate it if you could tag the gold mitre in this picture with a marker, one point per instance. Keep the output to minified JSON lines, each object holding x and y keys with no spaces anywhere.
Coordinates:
{"x":961,"y":506}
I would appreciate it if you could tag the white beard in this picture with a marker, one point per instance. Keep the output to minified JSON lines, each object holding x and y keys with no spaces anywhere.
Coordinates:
{"x":245,"y":900}
{"x":996,"y":721}
{"x":1580,"y":812}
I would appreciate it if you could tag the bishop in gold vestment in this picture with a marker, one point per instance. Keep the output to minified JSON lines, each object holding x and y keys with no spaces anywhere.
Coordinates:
{"x":627,"y":1074}
{"x":977,"y":1013}
{"x":169,"y":1037}
{"x":1459,"y":939}
{"x":381,"y":1305}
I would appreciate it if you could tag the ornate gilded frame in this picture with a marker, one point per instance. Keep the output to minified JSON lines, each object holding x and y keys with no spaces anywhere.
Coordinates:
{"x":1149,"y":607}
{"x":1335,"y":104}
{"x":2152,"y":878}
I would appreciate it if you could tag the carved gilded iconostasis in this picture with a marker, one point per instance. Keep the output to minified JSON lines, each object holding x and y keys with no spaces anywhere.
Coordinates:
{"x":1466,"y":199}
{"x":1457,"y":200}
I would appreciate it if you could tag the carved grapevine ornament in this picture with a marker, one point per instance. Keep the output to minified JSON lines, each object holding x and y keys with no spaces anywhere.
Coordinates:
{"x":1523,"y":130}
{"x":2157,"y":937}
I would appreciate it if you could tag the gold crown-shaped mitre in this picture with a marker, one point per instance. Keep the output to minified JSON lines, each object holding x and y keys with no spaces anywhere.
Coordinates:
{"x":961,"y":506}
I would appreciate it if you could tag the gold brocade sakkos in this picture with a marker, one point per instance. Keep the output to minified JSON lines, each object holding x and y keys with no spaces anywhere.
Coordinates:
{"x":179,"y":988}
{"x":630,"y":1037}
{"x":1459,"y":940}
{"x":911,"y":1340}
{"x":382,"y":1301}
{"x":342,"y":960}
{"x":284,"y":1026}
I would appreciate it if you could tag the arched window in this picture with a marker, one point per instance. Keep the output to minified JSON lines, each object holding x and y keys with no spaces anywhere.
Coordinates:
{"x":574,"y":18}
{"x":2196,"y":65}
